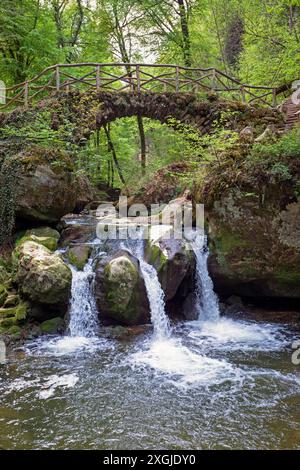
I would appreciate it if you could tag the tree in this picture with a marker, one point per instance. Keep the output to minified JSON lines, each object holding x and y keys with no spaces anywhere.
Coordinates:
{"x":68,"y":31}
{"x":27,"y":42}
{"x":124,"y":22}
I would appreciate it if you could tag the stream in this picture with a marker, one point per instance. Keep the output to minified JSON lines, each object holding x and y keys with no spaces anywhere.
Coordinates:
{"x":213,"y":383}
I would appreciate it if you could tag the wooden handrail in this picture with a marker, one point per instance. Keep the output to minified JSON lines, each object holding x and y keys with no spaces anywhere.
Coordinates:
{"x":179,"y":78}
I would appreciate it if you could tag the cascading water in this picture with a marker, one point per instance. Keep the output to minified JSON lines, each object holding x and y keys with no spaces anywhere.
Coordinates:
{"x":83,"y":311}
{"x":207,"y":300}
{"x":159,"y":319}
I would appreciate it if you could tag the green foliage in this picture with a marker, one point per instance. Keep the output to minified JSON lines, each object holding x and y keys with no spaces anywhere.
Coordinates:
{"x":286,"y":147}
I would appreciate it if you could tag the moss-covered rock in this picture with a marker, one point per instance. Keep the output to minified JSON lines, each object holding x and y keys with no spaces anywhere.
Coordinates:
{"x":42,"y":276}
{"x":48,"y":186}
{"x":254,"y":245}
{"x":47,"y":232}
{"x":79,"y":255}
{"x":52,"y":326}
{"x":48,"y":242}
{"x":120,"y":290}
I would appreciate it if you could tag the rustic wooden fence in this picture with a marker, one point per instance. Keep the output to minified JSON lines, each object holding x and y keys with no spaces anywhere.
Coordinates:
{"x":135,"y":78}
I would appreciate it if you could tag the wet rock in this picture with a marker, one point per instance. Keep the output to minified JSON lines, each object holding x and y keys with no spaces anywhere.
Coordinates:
{"x":77,"y":234}
{"x":172,"y":258}
{"x":52,"y":326}
{"x":42,"y":276}
{"x":120,"y":290}
{"x":78,"y":255}
{"x":189,"y":310}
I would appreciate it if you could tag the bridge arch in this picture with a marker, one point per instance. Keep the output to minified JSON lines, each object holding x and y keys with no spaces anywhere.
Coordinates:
{"x":90,"y":111}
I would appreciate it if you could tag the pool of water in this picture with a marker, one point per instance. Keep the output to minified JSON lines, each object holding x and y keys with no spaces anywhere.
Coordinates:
{"x":211,"y":385}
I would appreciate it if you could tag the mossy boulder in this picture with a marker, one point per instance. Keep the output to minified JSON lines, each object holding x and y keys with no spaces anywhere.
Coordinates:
{"x":47,"y":232}
{"x":172,"y":258}
{"x":42,"y":276}
{"x":52,"y":326}
{"x":48,"y":242}
{"x":255,"y":245}
{"x":79,"y":255}
{"x":48,"y":186}
{"x":120,"y":290}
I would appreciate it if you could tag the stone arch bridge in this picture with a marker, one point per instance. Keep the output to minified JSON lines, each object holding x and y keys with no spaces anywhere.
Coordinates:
{"x":93,"y":94}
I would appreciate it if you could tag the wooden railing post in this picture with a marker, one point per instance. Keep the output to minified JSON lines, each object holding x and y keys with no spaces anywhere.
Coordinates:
{"x":98,"y":80}
{"x":57,"y":78}
{"x":138,"y":78}
{"x":26,"y":94}
{"x":213,"y":80}
{"x":177,"y":80}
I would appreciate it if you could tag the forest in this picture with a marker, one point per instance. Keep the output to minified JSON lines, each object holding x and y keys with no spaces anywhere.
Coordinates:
{"x":122,"y":328}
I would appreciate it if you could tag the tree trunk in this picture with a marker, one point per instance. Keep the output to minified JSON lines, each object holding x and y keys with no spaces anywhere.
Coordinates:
{"x":186,"y":43}
{"x":143,"y":143}
{"x":114,"y":155}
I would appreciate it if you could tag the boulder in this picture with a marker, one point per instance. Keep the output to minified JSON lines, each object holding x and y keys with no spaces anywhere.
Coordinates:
{"x":47,"y":232}
{"x":120,"y":290}
{"x":42,"y":276}
{"x":48,"y":188}
{"x":77,"y":234}
{"x":172,"y":258}
{"x":78,"y":255}
{"x":48,"y":242}
{"x":53,"y":326}
{"x":254,"y":246}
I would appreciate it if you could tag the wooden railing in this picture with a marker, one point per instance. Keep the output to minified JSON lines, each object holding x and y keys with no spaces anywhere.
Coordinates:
{"x":136,"y":78}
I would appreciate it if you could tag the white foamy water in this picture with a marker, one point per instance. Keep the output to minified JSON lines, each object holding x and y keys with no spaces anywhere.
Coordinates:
{"x":183,"y":366}
{"x":207,"y":300}
{"x":237,"y":335}
{"x":156,"y":296}
{"x":83,"y":311}
{"x":55,"y":381}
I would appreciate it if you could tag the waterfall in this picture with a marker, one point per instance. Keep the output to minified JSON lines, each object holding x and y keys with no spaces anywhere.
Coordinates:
{"x":156,"y":297}
{"x":207,"y":300}
{"x":83,"y":311}
{"x":159,"y":319}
